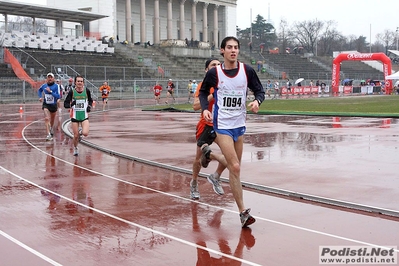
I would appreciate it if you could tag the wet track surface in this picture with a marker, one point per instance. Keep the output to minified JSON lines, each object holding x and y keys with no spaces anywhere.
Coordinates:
{"x":100,"y":209}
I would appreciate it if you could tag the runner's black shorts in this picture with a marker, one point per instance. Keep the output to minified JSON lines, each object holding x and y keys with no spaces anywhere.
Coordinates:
{"x":208,"y":136}
{"x":51,"y":107}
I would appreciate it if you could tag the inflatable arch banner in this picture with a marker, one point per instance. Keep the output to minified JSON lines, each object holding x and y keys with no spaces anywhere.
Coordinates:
{"x":336,"y":68}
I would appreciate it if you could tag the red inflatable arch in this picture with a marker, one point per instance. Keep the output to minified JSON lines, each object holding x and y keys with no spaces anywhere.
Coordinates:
{"x":387,"y":67}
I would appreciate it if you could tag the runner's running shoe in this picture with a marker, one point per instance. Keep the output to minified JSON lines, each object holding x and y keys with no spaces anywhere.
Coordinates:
{"x":246,"y":218}
{"x":49,"y":137}
{"x":75,"y":151}
{"x":194,"y":193}
{"x":217,"y":186}
{"x":205,"y":157}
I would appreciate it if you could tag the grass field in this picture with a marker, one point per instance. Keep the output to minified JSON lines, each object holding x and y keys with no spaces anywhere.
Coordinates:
{"x":370,"y":105}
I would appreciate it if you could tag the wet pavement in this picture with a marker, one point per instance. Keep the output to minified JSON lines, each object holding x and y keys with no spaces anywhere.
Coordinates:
{"x":101,"y":209}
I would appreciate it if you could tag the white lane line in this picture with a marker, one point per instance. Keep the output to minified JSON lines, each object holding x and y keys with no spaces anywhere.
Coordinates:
{"x":205,"y":204}
{"x":132,"y":223}
{"x":19,"y":243}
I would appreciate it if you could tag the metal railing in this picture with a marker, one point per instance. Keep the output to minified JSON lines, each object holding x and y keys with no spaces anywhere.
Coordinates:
{"x":17,"y":91}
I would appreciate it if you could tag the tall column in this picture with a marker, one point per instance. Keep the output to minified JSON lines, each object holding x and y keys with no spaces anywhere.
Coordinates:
{"x":128,"y":15}
{"x":34,"y":25}
{"x":216,"y":26}
{"x":82,"y":29}
{"x":156,"y":22}
{"x":143,"y":36}
{"x":5,"y":22}
{"x":58,"y":27}
{"x":169,"y":22}
{"x":182,"y":29}
{"x":194,"y":20}
{"x":205,"y":22}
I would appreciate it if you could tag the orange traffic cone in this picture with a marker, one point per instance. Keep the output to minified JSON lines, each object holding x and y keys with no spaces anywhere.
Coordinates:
{"x":21,"y":110}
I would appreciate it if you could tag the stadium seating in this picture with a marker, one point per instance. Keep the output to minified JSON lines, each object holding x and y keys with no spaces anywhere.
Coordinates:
{"x":44,"y":41}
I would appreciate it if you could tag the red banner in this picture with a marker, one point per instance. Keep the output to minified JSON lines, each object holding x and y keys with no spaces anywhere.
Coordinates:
{"x":19,"y":70}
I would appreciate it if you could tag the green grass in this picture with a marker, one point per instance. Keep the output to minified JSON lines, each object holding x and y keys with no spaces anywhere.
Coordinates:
{"x":377,"y":105}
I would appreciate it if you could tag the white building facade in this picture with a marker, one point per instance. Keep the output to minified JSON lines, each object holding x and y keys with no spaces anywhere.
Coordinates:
{"x":157,"y":20}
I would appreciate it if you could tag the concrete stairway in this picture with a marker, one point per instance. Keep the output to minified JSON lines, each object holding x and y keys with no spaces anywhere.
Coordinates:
{"x":93,"y":66}
{"x":153,"y":57}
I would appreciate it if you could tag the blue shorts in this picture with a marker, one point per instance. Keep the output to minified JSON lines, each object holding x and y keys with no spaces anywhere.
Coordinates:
{"x":234,"y":133}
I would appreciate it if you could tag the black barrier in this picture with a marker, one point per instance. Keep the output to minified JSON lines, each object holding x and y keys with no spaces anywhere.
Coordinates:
{"x":377,"y":89}
{"x":356,"y":89}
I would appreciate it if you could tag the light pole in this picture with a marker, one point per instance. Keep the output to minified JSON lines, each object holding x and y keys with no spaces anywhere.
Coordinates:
{"x":250,"y":32}
{"x":397,"y":30}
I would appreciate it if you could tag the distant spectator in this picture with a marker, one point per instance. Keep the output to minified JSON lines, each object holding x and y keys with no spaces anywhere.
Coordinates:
{"x":190,"y":90}
{"x":276,"y":89}
{"x":317,"y":83}
{"x":111,"y":42}
{"x":170,"y":91}
{"x":186,"y":40}
{"x":289,"y":84}
{"x":250,"y":47}
{"x":269,"y":86}
{"x":68,"y":87}
{"x":157,"y":92}
{"x":105,"y":89}
{"x":259,"y":63}
{"x":382,"y":84}
{"x":194,"y":86}
{"x":311,"y":83}
{"x":322,"y":87}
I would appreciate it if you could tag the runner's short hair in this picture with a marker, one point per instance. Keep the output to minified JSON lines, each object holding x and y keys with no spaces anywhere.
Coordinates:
{"x":209,"y":61}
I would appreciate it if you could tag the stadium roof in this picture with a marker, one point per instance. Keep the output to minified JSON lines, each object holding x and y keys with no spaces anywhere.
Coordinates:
{"x":394,"y":52}
{"x":45,"y":12}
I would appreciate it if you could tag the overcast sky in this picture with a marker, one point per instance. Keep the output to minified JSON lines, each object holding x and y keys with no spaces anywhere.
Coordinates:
{"x":352,"y":16}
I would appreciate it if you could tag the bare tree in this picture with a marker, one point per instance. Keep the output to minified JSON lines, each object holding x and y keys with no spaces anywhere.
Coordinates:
{"x":387,"y":38}
{"x":328,"y":40}
{"x":317,"y":37}
{"x":284,"y":34}
{"x":307,"y":32}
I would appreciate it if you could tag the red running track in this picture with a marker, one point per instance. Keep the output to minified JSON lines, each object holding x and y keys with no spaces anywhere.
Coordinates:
{"x":99,"y":209}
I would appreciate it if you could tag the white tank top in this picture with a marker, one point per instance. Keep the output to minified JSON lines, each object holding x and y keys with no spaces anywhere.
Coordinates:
{"x":230,"y":96}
